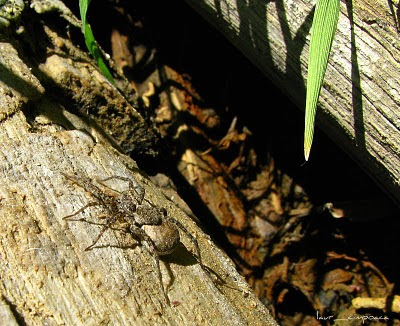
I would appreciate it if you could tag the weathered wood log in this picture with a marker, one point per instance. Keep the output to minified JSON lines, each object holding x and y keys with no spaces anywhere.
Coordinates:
{"x":46,"y":275}
{"x":359,"y":101}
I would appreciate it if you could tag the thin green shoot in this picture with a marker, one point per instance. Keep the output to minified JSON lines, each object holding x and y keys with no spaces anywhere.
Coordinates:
{"x":91,"y":42}
{"x":322,"y":33}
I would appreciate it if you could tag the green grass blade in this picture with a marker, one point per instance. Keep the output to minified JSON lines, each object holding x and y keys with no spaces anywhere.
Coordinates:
{"x":83,"y":7}
{"x":91,"y":42}
{"x":322,"y":33}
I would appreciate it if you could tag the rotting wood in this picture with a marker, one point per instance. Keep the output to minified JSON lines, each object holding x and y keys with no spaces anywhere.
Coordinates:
{"x":359,"y":101}
{"x":46,"y":276}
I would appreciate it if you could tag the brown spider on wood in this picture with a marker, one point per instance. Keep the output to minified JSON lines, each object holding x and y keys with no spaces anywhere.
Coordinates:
{"x":149,"y":224}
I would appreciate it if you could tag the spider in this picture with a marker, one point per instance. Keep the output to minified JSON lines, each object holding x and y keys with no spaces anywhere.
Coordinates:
{"x":149,"y":224}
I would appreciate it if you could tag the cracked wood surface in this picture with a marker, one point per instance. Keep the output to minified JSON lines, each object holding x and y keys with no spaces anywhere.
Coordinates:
{"x":358,"y":107}
{"x":46,"y":276}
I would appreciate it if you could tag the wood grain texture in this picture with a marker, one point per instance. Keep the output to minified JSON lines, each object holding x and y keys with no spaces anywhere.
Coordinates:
{"x":47,"y":278}
{"x":358,"y":107}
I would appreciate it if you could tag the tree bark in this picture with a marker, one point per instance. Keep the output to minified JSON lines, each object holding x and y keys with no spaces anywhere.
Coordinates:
{"x":358,"y":106}
{"x":46,"y":86}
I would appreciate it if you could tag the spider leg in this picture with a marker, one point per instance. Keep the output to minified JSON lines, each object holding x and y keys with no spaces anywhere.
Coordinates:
{"x":151,"y":249}
{"x":86,"y":184}
{"x":104,"y":229}
{"x":191,"y":237}
{"x":120,"y":178}
{"x":130,"y":182}
{"x":195,"y":243}
{"x":91,"y":204}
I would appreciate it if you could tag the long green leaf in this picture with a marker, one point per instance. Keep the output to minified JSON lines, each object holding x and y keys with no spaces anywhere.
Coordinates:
{"x":322,"y":33}
{"x":91,"y":42}
{"x":83,"y":7}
